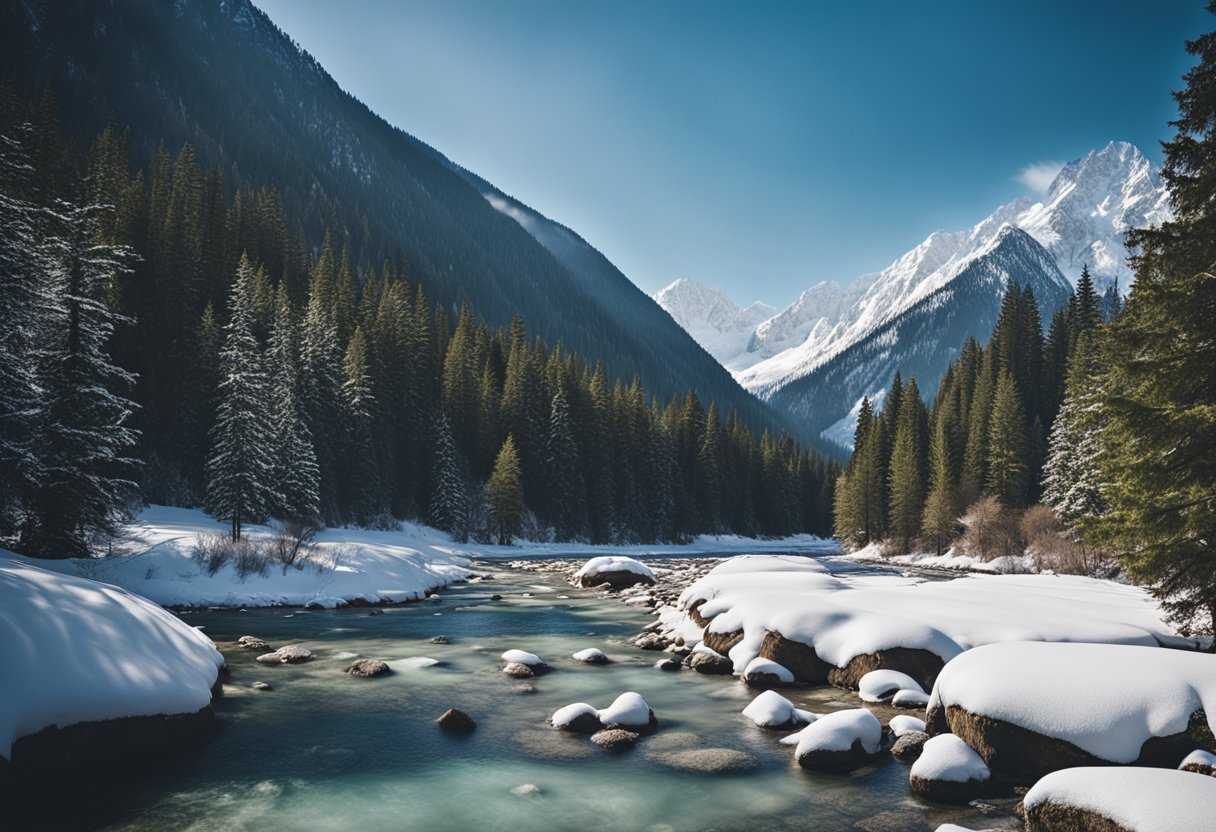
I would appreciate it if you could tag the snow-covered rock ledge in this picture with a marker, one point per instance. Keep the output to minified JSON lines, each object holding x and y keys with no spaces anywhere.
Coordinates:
{"x":1031,"y":708}
{"x":834,"y":629}
{"x":1118,"y":799}
{"x":89,"y":670}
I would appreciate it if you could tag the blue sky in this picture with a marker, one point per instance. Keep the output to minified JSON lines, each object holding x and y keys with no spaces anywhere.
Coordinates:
{"x":758,"y":147}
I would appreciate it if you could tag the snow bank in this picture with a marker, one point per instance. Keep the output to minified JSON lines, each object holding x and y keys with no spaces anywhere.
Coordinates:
{"x":73,"y":650}
{"x":772,"y":710}
{"x":845,"y":616}
{"x":837,"y":732}
{"x":903,"y":723}
{"x":629,"y":710}
{"x":878,"y":685}
{"x":1105,"y":699}
{"x":347,"y":564}
{"x":522,"y":657}
{"x":947,"y":758}
{"x":768,"y":563}
{"x":613,"y":563}
{"x":1143,"y":799}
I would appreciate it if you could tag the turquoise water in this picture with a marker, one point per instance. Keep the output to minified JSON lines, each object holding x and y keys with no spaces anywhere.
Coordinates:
{"x":325,"y":751}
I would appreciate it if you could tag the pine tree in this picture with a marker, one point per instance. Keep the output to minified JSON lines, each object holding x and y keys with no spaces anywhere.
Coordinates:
{"x":505,"y":494}
{"x":240,"y":470}
{"x":448,"y":508}
{"x":1007,"y":468}
{"x":321,"y":381}
{"x":940,"y":519}
{"x":85,"y":437}
{"x":709,"y":477}
{"x":566,"y":493}
{"x":907,"y":474}
{"x":359,"y":472}
{"x":1071,"y":477}
{"x":1159,"y":396}
{"x":296,"y":476}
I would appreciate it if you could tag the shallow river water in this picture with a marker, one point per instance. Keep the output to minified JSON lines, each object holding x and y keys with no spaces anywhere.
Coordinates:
{"x":326,"y":751}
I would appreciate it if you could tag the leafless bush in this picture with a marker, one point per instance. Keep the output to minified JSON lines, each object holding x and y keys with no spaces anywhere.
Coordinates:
{"x":1057,"y":548}
{"x":990,"y":530}
{"x":212,"y":552}
{"x":294,"y":541}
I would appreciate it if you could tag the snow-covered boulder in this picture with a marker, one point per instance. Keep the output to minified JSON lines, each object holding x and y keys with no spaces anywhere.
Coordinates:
{"x":902,"y":724}
{"x":761,"y":671}
{"x":1199,"y":762}
{"x":840,"y":741}
{"x":704,"y":660}
{"x":836,"y":628}
{"x":880,"y":685}
{"x":910,"y":699}
{"x":629,"y":710}
{"x":1030,"y":708}
{"x":580,"y":718}
{"x":617,"y":571}
{"x":89,"y":670}
{"x":949,"y":771}
{"x":772,"y":710}
{"x":1131,"y":798}
{"x":592,"y":655}
{"x":289,"y":654}
{"x":522,"y":657}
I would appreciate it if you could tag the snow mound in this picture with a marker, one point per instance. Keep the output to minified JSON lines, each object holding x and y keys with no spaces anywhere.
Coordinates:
{"x":592,"y":655}
{"x":628,"y":710}
{"x":946,"y":757}
{"x":767,"y":563}
{"x":566,"y":715}
{"x":903,"y":723}
{"x":1105,"y":699}
{"x":522,"y":657}
{"x":1143,"y":799}
{"x":74,"y":650}
{"x":1199,"y":757}
{"x":837,"y":732}
{"x":613,"y":563}
{"x":878,"y":685}
{"x":910,"y":699}
{"x":766,"y":667}
{"x":843,"y":617}
{"x":772,"y":710}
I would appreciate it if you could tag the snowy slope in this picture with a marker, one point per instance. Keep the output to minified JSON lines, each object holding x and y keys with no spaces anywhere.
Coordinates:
{"x":716,"y":322}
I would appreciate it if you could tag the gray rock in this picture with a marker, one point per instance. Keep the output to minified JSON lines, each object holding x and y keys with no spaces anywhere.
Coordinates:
{"x":668,"y":664}
{"x":458,"y":722}
{"x":909,"y":745}
{"x":368,"y":668}
{"x":291,"y":654}
{"x":712,"y":665}
{"x":615,"y":739}
{"x":252,"y":643}
{"x":518,"y":671}
{"x":439,"y":640}
{"x":708,"y":760}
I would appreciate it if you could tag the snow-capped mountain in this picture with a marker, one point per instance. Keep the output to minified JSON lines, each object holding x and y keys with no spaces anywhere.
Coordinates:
{"x":1083,"y":219}
{"x":925,"y":337}
{"x":714,"y":321}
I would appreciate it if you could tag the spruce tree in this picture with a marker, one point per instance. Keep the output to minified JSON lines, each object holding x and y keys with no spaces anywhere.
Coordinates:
{"x":1159,"y":396}
{"x":505,"y":494}
{"x":1007,"y":468}
{"x":448,"y":507}
{"x":907,"y":474}
{"x":85,"y":438}
{"x":359,"y":472}
{"x":566,"y":496}
{"x":1071,"y":477}
{"x":240,"y":470}
{"x":296,"y":476}
{"x":940,"y":521}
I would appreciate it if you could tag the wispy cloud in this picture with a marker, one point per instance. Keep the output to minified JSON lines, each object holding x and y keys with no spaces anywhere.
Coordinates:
{"x":1038,"y":176}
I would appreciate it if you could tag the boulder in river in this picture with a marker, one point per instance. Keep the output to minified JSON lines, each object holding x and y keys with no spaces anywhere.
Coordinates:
{"x":455,"y":721}
{"x":253,"y":643}
{"x":439,"y":640}
{"x":708,"y":760}
{"x":909,"y":745}
{"x":368,"y":668}
{"x":261,"y":686}
{"x":615,"y":739}
{"x":949,"y":771}
{"x":291,"y":654}
{"x":518,"y":671}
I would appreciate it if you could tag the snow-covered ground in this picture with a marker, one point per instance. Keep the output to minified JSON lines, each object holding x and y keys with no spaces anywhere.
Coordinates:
{"x":950,"y":560}
{"x":73,"y":650}
{"x":844,"y":616}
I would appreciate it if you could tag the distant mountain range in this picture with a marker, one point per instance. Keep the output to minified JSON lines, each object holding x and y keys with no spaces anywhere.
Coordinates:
{"x":815,"y":359}
{"x":221,"y":75}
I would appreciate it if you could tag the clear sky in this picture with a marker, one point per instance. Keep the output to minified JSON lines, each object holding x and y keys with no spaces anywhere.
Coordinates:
{"x":759,"y":147}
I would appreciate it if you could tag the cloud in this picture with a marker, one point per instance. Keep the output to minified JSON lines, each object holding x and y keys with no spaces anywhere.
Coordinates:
{"x":1038,"y":176}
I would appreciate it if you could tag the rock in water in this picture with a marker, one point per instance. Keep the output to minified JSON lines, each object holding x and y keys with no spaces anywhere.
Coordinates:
{"x":668,"y":664}
{"x":261,"y":686}
{"x":439,"y":640}
{"x":518,"y":671}
{"x":527,"y":790}
{"x":615,"y":739}
{"x":367,"y":668}
{"x":291,"y":654}
{"x":458,"y":722}
{"x":949,"y":771}
{"x":909,"y":745}
{"x":708,"y":760}
{"x":252,"y":643}
{"x":712,"y":665}
{"x":592,"y":655}
{"x":579,"y":718}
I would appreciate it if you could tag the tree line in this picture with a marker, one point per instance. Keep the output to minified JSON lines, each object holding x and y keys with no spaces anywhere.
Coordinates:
{"x":244,"y":369}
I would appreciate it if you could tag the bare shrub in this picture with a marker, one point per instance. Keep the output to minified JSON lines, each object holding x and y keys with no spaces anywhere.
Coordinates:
{"x":1057,"y":548}
{"x":293,"y":542}
{"x":990,"y":530}
{"x":212,"y":552}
